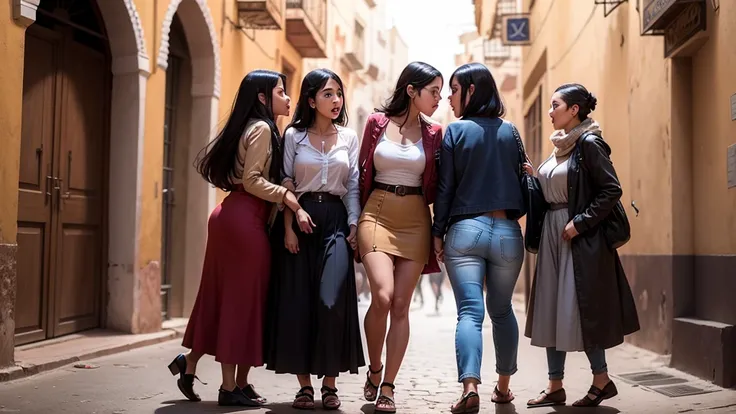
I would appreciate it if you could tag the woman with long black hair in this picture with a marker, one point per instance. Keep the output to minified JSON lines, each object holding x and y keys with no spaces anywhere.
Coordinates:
{"x":313,"y":326}
{"x":398,"y":182}
{"x":226,"y":320}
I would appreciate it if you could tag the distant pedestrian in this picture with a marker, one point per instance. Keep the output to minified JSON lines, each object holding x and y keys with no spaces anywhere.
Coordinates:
{"x":313,"y":326}
{"x":398,"y":181}
{"x":580,"y":298}
{"x":227,"y":318}
{"x":476,"y":229}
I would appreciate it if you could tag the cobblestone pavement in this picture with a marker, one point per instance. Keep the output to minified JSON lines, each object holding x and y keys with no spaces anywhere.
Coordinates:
{"x":138,"y":381}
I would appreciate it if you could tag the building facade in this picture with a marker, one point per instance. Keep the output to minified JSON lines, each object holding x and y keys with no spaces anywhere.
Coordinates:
{"x":106,"y":104}
{"x":663,"y":74}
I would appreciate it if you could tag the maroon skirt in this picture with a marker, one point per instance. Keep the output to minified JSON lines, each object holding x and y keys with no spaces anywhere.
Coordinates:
{"x":227,"y":318}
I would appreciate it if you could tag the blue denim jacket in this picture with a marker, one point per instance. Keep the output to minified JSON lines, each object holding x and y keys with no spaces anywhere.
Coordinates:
{"x":479,"y":172}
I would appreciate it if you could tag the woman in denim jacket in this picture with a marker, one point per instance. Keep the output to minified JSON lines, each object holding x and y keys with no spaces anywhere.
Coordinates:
{"x":475,"y":229}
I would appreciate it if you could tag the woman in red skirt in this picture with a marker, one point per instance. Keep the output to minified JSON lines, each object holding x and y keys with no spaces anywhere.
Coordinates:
{"x":227,"y":317}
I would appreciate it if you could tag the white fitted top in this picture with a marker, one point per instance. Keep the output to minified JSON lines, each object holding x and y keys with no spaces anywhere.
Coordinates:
{"x":399,"y":164}
{"x":314,"y":170}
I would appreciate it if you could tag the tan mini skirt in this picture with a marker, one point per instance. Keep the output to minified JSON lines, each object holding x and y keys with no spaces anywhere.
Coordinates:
{"x":395,"y":225}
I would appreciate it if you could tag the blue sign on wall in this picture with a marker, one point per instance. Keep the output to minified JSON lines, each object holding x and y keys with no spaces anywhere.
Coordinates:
{"x":516,"y":30}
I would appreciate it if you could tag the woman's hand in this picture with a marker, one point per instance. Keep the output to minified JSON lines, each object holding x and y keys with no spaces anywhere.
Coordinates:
{"x":291,"y":241}
{"x":439,"y":248}
{"x":353,"y":237}
{"x":529,"y":168}
{"x":305,"y":221}
{"x":570,"y":232}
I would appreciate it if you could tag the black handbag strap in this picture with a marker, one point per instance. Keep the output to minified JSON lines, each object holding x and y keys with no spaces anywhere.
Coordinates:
{"x":520,"y":145}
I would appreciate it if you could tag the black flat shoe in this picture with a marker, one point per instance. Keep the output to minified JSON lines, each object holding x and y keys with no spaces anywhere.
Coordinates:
{"x":235,"y":398}
{"x":186,"y":381}
{"x":251,"y":393}
{"x":609,"y":391}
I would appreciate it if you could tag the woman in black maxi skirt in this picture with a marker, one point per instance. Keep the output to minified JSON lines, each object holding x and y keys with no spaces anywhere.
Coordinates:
{"x":312,"y":323}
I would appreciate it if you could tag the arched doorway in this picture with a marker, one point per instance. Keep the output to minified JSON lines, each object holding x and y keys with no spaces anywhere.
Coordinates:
{"x":190,"y":55}
{"x":63,"y":171}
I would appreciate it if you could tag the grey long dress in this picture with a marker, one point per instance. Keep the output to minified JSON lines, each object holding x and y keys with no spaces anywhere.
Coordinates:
{"x":556,"y":316}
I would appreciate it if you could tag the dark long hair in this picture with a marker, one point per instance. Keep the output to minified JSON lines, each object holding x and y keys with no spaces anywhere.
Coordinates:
{"x":304,"y":114}
{"x":416,"y":74}
{"x":486,"y":100}
{"x":216,"y":161}
{"x":577,"y":94}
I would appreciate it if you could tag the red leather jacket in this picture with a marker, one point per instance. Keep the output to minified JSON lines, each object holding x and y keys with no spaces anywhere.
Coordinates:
{"x":375,"y":126}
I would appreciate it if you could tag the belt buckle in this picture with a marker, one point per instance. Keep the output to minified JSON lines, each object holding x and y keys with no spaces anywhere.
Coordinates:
{"x":400,"y":190}
{"x":319,"y":197}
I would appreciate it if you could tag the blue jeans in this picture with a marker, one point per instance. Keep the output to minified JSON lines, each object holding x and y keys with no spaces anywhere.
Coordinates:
{"x":556,"y":362}
{"x":490,"y":250}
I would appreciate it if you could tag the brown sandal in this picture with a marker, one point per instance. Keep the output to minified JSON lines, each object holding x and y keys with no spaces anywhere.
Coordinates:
{"x":548,"y":399}
{"x":464,"y":407}
{"x":370,"y":390}
{"x":609,"y":391}
{"x":330,"y":400}
{"x":304,"y":399}
{"x":384,"y":403}
{"x":500,"y":398}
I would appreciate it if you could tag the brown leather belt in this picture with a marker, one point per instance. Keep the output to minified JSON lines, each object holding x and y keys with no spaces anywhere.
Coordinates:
{"x":557,"y":206}
{"x":399,"y":190}
{"x":320,"y":197}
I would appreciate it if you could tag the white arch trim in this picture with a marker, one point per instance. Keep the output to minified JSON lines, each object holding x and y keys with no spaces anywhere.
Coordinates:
{"x":163,"y":53}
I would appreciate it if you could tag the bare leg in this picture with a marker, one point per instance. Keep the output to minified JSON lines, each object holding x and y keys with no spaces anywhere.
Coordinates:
{"x":380,"y":271}
{"x":406,"y":275}
{"x":242,"y":376}
{"x":192,"y":360}
{"x":228,"y":377}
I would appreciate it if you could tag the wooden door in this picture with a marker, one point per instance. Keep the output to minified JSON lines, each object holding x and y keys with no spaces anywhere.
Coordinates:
{"x":36,"y":183}
{"x":62,"y":186}
{"x":81,"y":165}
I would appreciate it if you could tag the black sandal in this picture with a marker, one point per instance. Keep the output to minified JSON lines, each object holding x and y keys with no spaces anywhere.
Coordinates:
{"x":461,"y":407}
{"x":304,"y":400}
{"x":186,"y":381}
{"x":370,"y":390}
{"x":387,"y":402}
{"x":609,"y":391}
{"x":330,"y":400}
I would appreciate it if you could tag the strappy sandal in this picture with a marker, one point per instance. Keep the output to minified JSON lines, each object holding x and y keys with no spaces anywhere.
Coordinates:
{"x":304,"y":400}
{"x":384,"y":403}
{"x":501,"y":398}
{"x":370,"y":390}
{"x":462,"y":407}
{"x":330,"y":400}
{"x":548,"y":399}
{"x":609,"y":391}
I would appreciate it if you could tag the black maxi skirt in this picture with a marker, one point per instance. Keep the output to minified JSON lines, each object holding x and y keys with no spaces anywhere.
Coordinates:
{"x":312,"y":322}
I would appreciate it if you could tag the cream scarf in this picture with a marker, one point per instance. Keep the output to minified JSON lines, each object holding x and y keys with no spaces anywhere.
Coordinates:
{"x":565,"y":142}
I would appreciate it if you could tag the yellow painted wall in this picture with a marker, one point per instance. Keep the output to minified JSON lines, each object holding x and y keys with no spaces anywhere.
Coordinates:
{"x":714,"y":82}
{"x":12,"y":41}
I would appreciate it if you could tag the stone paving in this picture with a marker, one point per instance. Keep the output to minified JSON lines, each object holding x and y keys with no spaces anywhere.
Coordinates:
{"x":137,"y":381}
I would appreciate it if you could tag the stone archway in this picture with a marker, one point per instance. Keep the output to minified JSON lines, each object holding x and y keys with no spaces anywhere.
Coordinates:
{"x":204,"y":51}
{"x":130,"y":70}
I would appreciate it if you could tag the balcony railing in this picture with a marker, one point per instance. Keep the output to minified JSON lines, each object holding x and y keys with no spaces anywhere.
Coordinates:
{"x":306,"y":26}
{"x":261,"y":14}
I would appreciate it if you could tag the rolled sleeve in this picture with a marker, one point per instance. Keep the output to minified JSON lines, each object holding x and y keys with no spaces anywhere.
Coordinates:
{"x":257,"y":147}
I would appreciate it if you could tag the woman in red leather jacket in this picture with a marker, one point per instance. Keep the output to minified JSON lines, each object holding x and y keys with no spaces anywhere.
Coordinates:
{"x":398,"y":182}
